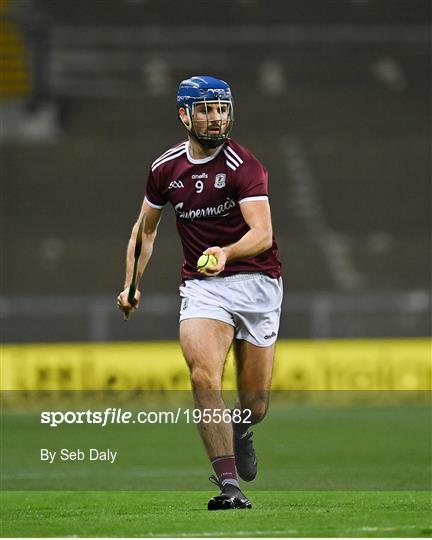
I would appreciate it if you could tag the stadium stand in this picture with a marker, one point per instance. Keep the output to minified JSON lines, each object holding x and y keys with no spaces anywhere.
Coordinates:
{"x":335,"y":100}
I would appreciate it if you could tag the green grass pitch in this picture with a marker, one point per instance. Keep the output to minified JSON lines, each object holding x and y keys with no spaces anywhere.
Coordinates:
{"x":325,"y":471}
{"x":275,"y":514}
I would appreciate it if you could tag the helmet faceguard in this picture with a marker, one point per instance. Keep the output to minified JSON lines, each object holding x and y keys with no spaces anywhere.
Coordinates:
{"x":210,"y":99}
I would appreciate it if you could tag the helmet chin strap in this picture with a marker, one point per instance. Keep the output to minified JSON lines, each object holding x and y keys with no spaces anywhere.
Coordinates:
{"x":188,"y":124}
{"x":208,"y":143}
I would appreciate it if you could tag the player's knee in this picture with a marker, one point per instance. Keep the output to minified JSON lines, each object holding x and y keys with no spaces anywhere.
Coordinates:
{"x":203,"y":379}
{"x":257,"y":404}
{"x":258,"y":414}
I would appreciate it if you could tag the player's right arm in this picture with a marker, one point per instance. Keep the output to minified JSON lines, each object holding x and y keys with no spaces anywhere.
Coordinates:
{"x":150,"y":225}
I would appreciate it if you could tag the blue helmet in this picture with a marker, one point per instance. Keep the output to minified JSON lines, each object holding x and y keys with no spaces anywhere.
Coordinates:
{"x":205,"y":89}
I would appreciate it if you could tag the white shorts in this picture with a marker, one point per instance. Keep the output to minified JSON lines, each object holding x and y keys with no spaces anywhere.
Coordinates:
{"x":251,"y":303}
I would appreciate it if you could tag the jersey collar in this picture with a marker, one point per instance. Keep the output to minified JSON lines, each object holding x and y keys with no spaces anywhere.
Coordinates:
{"x":203,"y":160}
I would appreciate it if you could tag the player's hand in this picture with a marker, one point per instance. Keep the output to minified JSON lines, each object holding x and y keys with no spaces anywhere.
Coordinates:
{"x":212,"y":271}
{"x":123,"y":304}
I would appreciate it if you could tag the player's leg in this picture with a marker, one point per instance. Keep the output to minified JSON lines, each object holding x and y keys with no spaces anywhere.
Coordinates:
{"x":205,"y":344}
{"x":254,"y":366}
{"x":257,"y":307}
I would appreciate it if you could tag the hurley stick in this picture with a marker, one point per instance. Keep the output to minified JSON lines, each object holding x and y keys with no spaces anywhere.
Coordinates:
{"x":132,"y":287}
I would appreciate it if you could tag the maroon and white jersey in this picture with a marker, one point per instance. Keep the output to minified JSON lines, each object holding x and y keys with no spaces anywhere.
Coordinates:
{"x":206,"y":195}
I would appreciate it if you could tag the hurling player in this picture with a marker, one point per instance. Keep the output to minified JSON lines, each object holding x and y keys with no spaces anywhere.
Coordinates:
{"x":219,"y":192}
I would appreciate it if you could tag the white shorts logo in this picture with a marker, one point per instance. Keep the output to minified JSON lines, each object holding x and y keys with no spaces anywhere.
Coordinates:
{"x":220,"y":180}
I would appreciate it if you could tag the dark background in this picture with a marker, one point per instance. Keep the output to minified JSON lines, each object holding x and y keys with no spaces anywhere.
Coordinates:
{"x":332,"y":95}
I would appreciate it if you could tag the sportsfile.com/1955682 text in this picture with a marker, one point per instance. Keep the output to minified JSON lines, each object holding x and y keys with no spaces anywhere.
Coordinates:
{"x":112,"y":415}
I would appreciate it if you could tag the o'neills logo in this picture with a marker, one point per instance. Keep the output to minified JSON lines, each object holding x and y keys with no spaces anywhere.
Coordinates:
{"x":199,"y":176}
{"x":210,"y":211}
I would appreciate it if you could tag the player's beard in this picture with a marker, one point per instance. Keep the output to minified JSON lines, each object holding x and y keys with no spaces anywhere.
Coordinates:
{"x":208,"y":141}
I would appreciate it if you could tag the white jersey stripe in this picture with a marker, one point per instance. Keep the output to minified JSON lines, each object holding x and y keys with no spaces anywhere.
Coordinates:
{"x":256,"y":198}
{"x":158,"y":207}
{"x":168,"y":152}
{"x":235,"y":154}
{"x":232,"y":162}
{"x":169,"y":158}
{"x":231,"y":166}
{"x":236,"y":163}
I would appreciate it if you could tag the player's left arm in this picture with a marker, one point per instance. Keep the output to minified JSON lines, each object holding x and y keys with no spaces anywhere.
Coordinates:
{"x":258,"y":239}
